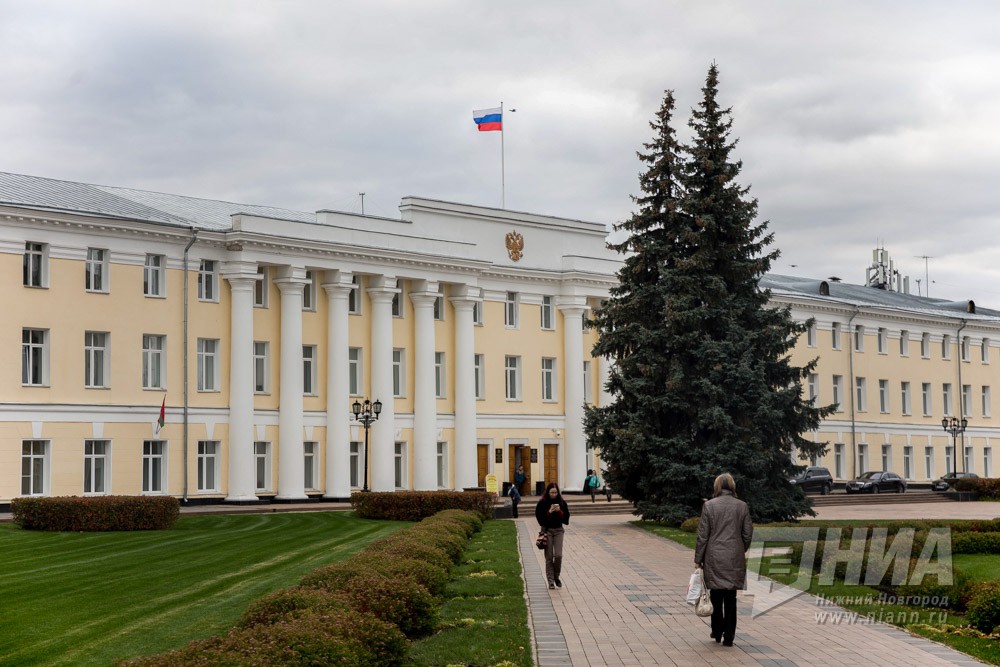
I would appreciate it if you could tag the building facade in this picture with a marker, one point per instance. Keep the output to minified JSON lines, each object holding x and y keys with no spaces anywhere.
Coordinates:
{"x":257,"y":328}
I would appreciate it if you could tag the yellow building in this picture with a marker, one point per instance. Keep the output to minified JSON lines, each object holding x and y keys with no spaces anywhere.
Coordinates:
{"x":257,"y":328}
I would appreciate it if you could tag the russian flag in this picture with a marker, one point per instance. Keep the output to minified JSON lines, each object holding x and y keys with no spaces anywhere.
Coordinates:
{"x":488,"y":120}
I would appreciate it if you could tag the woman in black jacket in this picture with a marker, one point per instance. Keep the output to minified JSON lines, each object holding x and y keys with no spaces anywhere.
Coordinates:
{"x":552,"y":513}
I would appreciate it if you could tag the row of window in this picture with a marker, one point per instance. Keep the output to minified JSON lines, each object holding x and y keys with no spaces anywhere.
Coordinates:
{"x":882,"y":343}
{"x":884,"y":399}
{"x":36,"y":466}
{"x":909,"y":462}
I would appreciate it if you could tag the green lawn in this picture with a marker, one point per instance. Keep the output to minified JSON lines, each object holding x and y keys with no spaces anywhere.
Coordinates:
{"x":87,"y":598}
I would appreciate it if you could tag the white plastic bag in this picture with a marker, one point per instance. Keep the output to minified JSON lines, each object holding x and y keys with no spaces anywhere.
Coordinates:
{"x":694,"y":587}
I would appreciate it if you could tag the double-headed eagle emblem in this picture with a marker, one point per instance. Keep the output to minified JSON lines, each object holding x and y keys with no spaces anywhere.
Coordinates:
{"x":515,"y":246}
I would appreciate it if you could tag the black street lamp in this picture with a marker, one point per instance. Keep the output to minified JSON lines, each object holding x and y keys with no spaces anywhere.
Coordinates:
{"x":367,"y":414}
{"x":956,"y":428}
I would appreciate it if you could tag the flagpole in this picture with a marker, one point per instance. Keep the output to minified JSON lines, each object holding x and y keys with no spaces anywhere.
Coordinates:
{"x":503,"y":175}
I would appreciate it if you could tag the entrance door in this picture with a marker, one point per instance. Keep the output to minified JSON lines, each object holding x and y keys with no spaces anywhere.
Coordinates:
{"x":484,"y":463}
{"x":520,"y":456}
{"x":551,"y":463}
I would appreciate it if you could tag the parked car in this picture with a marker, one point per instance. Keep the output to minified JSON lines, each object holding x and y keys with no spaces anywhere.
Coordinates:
{"x":814,"y":478}
{"x":948,"y":480}
{"x":876,"y":482}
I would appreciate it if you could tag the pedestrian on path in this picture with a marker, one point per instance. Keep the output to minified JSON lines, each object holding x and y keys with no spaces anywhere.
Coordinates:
{"x":592,"y":483}
{"x":515,"y":499}
{"x":519,"y":479}
{"x":724,"y":535}
{"x":552,"y":513}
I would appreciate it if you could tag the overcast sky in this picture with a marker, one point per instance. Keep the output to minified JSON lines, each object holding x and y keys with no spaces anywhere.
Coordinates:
{"x":859,"y":122}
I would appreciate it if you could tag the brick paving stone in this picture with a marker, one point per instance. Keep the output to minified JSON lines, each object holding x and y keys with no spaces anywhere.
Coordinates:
{"x":622,"y":603}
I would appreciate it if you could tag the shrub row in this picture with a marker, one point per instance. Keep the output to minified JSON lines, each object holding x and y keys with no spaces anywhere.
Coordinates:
{"x":984,"y":606}
{"x":417,"y":505}
{"x":987,"y":488}
{"x":357,"y":612}
{"x":96,"y":513}
{"x":975,"y":543}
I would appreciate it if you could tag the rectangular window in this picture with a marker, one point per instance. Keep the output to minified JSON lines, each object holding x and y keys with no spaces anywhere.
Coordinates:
{"x":96,"y":359}
{"x":986,"y":400}
{"x":588,"y":392}
{"x":838,"y":460}
{"x":987,"y":462}
{"x":904,"y":343}
{"x":887,"y":457}
{"x":548,"y":379}
{"x":859,"y":338}
{"x":354,"y":297}
{"x":477,"y":313}
{"x":398,"y":372}
{"x":399,"y":467}
{"x":946,"y":347}
{"x":838,"y":392}
{"x":34,"y":467}
{"x":262,"y":465}
{"x":208,"y":465}
{"x":355,"y":464}
{"x":946,"y":398}
{"x":260,"y":288}
{"x":966,"y":349}
{"x":984,"y":351}
{"x":208,"y":364}
{"x":354,"y":371}
{"x":883,"y":396}
{"x":153,"y":466}
{"x":908,"y":462}
{"x":96,"y":279}
{"x":442,"y":464}
{"x":309,"y":476}
{"x":548,"y":321}
{"x":153,"y":366}
{"x":948,"y":451}
{"x":309,"y":370}
{"x":95,"y":457}
{"x":966,"y":400}
{"x":883,"y":341}
{"x":511,"y":311}
{"x":811,"y":335}
{"x":479,"y":370}
{"x":309,"y":292}
{"x":153,"y":283}
{"x":35,"y":271}
{"x":862,"y":458}
{"x":397,"y":301}
{"x":925,"y":346}
{"x":925,"y":398}
{"x":835,"y":335}
{"x":512,"y":377}
{"x":861,"y":394}
{"x":904,"y":391}
{"x":34,"y":357}
{"x":440,"y":375}
{"x":970,"y":462}
{"x":439,"y":308}
{"x":813,"y":386}
{"x":928,"y":463}
{"x":261,"y":367}
{"x":207,"y":281}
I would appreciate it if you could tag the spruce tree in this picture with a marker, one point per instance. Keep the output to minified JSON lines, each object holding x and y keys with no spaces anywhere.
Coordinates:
{"x":701,"y":377}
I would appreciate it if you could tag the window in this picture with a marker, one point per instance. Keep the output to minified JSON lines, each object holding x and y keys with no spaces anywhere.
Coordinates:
{"x":36,"y":265}
{"x":883,"y":396}
{"x":309,"y":476}
{"x":511,"y":311}
{"x":928,"y":463}
{"x":548,"y":379}
{"x":262,"y":465}
{"x":838,"y":391}
{"x":883,"y":341}
{"x":260,"y":288}
{"x":966,"y":348}
{"x":984,"y":351}
{"x":548,"y":322}
{"x":34,"y":357}
{"x":838,"y":460}
{"x":398,"y":372}
{"x":835,"y":335}
{"x":399,"y":468}
{"x":153,"y":468}
{"x":480,"y":379}
{"x":440,"y":377}
{"x":153,"y":368}
{"x":887,"y":457}
{"x":397,"y":301}
{"x":987,"y":462}
{"x":309,"y":292}
{"x":588,"y":392}
{"x":208,"y":364}
{"x":925,"y":397}
{"x":96,"y":359}
{"x":986,"y":400}
{"x":207,"y":281}
{"x":96,"y":279}
{"x":439,"y":308}
{"x":261,"y":367}
{"x":153,"y":283}
{"x":811,"y":334}
{"x":309,"y":370}
{"x":966,"y":400}
{"x":925,"y":345}
{"x":946,"y":347}
{"x":861,"y":394}
{"x":208,"y":462}
{"x":948,"y":451}
{"x":354,"y":371}
{"x":355,"y":464}
{"x":904,"y":343}
{"x":969,"y":464}
{"x":946,"y":398}
{"x":512,"y":377}
{"x":859,"y":338}
{"x":904,"y":391}
{"x":354,"y":297}
{"x":34,"y":467}
{"x":95,"y":454}
{"x":813,"y":386}
{"x":442,"y":464}
{"x":908,"y":462}
{"x":477,"y":313}
{"x":862,"y":458}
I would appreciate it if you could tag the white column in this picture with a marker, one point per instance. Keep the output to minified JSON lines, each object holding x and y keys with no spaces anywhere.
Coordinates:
{"x":575,"y":455}
{"x":242,"y":277}
{"x":291,"y":472}
{"x":383,"y":432}
{"x":466,"y":470}
{"x":424,"y":397}
{"x":338,"y":410}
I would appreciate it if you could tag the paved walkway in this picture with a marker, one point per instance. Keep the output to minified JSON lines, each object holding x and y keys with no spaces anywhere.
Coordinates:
{"x":622,"y":603}
{"x":953,"y":510}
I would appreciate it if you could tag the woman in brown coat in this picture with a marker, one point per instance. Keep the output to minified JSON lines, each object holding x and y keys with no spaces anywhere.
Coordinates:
{"x":724,"y":535}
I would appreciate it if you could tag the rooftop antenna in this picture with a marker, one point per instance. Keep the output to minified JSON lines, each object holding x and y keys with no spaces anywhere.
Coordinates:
{"x":926,"y":279}
{"x":362,"y":202}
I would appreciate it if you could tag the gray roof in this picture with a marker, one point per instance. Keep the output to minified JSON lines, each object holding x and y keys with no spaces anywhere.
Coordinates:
{"x":861,"y":295}
{"x":157,"y":207}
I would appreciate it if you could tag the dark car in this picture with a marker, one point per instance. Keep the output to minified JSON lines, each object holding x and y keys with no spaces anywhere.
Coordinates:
{"x":877,"y":482}
{"x":949,"y":480}
{"x":814,"y":478}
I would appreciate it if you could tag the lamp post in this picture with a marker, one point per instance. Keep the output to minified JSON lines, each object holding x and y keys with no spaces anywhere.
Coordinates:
{"x":367,"y":414}
{"x":956,"y":428}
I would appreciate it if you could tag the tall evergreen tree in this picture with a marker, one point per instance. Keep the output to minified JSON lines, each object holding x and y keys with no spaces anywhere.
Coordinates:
{"x":701,"y":377}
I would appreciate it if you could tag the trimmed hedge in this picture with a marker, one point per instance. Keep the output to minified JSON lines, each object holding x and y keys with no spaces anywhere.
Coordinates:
{"x":403,"y":545}
{"x":987,"y":488}
{"x":417,"y":505}
{"x":984,"y":606}
{"x":691,"y":525}
{"x":285,"y":604}
{"x":335,"y":577}
{"x":95,"y":513}
{"x":975,"y":543}
{"x":402,"y":602}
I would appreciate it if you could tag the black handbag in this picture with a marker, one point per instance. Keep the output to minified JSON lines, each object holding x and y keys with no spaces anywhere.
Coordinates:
{"x":543,"y":539}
